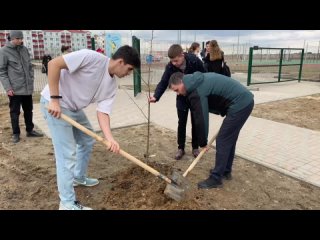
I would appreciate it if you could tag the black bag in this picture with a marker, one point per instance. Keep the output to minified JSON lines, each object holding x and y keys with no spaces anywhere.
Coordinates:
{"x":225,"y":70}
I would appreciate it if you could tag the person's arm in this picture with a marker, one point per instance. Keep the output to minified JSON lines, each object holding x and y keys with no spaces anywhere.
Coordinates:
{"x":104,"y":122}
{"x":54,"y":69}
{"x":162,"y":85}
{"x":4,"y":75}
{"x":31,"y":70}
{"x":199,"y":108}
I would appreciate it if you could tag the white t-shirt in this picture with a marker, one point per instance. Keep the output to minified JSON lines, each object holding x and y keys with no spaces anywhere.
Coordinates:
{"x":86,"y":81}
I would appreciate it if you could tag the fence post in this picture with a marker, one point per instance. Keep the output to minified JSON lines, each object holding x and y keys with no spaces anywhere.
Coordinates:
{"x":301,"y":65}
{"x":250,"y":66}
{"x":137,"y":71}
{"x":280,"y":64}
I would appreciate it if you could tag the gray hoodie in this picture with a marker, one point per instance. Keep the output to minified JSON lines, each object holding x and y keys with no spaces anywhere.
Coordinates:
{"x":16,"y":71}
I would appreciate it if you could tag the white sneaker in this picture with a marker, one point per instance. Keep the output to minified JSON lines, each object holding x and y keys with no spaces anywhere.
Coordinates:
{"x":73,"y":206}
{"x":88,"y":182}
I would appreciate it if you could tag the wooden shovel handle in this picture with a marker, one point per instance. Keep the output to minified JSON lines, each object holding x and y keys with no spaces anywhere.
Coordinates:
{"x":195,"y":161}
{"x":123,"y":153}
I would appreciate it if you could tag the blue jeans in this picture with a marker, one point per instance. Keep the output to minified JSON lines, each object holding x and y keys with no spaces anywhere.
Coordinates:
{"x":72,"y":149}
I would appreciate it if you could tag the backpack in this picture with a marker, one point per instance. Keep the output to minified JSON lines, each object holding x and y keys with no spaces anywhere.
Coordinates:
{"x":225,"y":70}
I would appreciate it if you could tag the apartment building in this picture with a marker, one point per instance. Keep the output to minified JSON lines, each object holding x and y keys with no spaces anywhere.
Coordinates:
{"x":3,"y":37}
{"x":40,"y":42}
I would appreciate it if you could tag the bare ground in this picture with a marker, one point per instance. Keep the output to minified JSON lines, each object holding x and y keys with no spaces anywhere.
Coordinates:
{"x":28,"y":179}
{"x":301,"y":112}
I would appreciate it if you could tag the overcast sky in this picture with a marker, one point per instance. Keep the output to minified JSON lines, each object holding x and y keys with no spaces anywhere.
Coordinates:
{"x":263,"y":38}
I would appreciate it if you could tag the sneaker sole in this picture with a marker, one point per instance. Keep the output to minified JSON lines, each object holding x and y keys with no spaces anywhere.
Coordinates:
{"x":64,"y":208}
{"x":85,"y":185}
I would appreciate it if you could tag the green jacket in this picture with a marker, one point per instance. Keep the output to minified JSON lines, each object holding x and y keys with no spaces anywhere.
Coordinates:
{"x":214,"y":93}
{"x":16,"y":71}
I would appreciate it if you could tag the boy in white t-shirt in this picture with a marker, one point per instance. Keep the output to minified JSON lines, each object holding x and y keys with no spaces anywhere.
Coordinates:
{"x":74,"y":81}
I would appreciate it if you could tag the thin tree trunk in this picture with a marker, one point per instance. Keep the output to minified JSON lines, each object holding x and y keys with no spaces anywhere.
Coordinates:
{"x":149,"y":93}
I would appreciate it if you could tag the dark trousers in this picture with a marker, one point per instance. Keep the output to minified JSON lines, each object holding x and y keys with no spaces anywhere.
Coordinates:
{"x":227,"y":139}
{"x":182,"y":125}
{"x":15,"y":103}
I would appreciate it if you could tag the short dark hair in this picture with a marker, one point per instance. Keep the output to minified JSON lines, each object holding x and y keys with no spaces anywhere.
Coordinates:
{"x":129,"y":56}
{"x":175,"y":78}
{"x":207,"y":42}
{"x":174,"y":51}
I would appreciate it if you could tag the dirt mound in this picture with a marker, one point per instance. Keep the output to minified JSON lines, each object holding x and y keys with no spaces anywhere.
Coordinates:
{"x":136,"y":188}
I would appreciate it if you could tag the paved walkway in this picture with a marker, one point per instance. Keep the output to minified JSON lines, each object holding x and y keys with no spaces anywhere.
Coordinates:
{"x":288,"y":149}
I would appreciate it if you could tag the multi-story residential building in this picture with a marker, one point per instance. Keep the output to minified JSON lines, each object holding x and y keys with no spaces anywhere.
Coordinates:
{"x":40,"y":42}
{"x":3,"y":37}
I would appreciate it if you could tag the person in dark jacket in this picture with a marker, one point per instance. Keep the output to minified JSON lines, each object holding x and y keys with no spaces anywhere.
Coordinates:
{"x":205,"y":51}
{"x":185,"y":63}
{"x":221,"y":95}
{"x":213,"y":60}
{"x":46,"y":58}
{"x":17,"y":77}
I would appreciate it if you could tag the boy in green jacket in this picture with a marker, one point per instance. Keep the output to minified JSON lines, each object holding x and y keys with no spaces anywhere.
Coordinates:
{"x":221,"y":95}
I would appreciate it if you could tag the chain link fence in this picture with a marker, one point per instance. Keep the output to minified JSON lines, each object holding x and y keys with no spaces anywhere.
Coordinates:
{"x":40,"y":81}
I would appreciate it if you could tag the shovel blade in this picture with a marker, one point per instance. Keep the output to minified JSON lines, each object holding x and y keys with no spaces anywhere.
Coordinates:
{"x":179,"y":190}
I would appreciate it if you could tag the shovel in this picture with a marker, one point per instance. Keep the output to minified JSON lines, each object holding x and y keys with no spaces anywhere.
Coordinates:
{"x":180,"y":179}
{"x":178,"y":190}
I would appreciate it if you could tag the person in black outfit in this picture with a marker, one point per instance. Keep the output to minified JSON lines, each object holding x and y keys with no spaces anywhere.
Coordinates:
{"x":46,"y":58}
{"x":213,"y":60}
{"x":205,"y":51}
{"x":186,"y":63}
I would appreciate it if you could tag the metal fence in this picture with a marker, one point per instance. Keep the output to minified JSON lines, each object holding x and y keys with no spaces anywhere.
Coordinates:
{"x":269,"y":65}
{"x":40,"y":81}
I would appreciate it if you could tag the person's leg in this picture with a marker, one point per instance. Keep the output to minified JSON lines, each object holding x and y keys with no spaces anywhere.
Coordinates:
{"x":228,"y":168}
{"x":84,"y":146}
{"x":182,"y":124}
{"x":14,"y":105}
{"x":243,"y":116}
{"x":65,"y":153}
{"x":225,"y":146}
{"x":195,"y":145}
{"x":27,"y":106}
{"x":181,"y":140}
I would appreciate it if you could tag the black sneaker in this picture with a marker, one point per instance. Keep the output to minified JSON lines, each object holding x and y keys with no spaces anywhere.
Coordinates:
{"x":179,"y":154}
{"x":34,"y":134}
{"x":15,"y":138}
{"x":227,"y":176}
{"x":210,"y":183}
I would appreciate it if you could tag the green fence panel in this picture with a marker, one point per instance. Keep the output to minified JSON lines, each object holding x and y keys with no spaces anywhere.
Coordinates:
{"x":137,"y":71}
